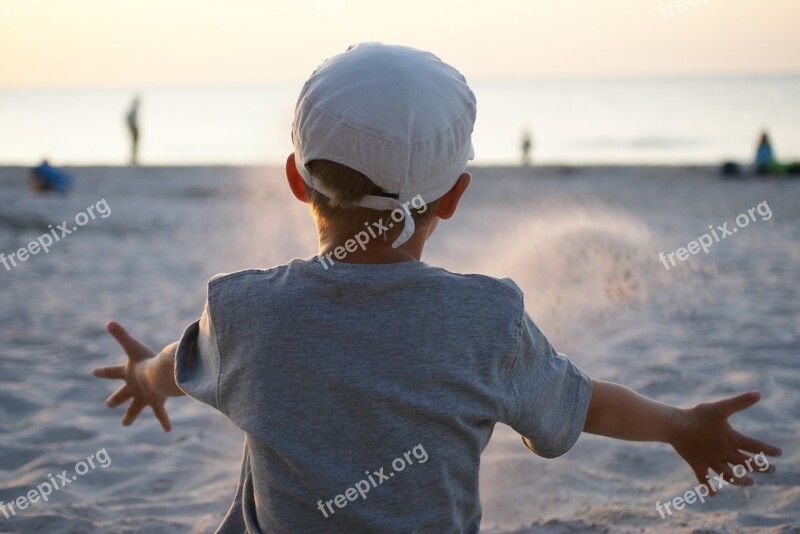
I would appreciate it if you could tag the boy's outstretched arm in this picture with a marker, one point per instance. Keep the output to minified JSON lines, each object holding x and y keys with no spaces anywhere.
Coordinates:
{"x":701,"y":435}
{"x":149,"y":378}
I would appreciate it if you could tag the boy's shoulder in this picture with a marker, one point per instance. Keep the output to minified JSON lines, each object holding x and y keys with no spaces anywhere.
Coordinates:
{"x":230,"y":278}
{"x":505,"y":286}
{"x":502,"y":289}
{"x":246,"y":279}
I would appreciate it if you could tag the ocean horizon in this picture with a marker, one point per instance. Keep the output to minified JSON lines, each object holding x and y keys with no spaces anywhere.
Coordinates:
{"x":672,"y":121}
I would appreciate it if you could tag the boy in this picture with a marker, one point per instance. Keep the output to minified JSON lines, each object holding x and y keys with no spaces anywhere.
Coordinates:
{"x":367,"y":382}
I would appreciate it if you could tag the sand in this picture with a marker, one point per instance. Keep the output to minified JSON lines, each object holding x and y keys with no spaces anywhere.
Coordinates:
{"x":583,"y":244}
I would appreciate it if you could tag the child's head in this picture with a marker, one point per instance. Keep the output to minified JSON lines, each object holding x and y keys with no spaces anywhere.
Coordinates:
{"x":341,"y":213}
{"x":382,"y":132}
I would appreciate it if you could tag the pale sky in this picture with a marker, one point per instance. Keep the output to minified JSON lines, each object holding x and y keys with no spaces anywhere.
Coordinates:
{"x":126,"y":43}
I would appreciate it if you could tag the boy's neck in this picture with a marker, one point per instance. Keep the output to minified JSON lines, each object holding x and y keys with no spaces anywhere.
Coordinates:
{"x":377,"y":251}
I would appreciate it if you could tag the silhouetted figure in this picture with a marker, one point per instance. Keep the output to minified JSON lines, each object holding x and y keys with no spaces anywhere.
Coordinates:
{"x":45,"y":178}
{"x":527,"y":144}
{"x":765,"y":159}
{"x":132,"y":120}
{"x":766,"y":163}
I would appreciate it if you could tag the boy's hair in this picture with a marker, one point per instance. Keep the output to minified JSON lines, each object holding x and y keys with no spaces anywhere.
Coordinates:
{"x":341,"y":213}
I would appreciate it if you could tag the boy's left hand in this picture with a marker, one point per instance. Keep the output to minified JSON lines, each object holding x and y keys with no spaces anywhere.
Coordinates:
{"x":134,"y":374}
{"x":711,"y":442}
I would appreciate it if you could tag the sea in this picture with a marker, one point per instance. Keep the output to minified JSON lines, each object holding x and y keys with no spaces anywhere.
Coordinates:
{"x":623,"y":121}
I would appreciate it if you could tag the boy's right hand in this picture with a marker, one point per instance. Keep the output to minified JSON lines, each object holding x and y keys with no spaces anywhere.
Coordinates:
{"x":135,"y":375}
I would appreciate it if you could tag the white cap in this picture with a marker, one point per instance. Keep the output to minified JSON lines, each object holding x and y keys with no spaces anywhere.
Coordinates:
{"x":398,"y":115}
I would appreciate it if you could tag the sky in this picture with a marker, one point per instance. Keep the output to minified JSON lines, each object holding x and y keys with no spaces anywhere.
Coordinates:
{"x":186,"y":43}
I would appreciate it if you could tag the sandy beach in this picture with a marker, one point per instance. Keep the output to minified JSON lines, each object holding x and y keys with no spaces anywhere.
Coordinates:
{"x":583,"y":243}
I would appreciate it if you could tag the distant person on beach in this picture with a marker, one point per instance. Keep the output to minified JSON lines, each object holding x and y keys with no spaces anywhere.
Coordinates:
{"x":765,"y":159}
{"x":44,"y":178}
{"x":767,"y":164}
{"x":366,"y":382}
{"x":527,"y":145}
{"x":132,"y":121}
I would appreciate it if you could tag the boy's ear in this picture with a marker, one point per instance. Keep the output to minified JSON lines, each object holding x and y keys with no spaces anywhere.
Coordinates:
{"x":296,"y":183}
{"x":449,"y":202}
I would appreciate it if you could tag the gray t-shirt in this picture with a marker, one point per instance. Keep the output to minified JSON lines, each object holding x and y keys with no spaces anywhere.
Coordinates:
{"x":368,"y":392}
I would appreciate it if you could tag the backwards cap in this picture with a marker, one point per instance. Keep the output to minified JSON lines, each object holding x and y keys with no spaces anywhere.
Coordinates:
{"x":398,"y":115}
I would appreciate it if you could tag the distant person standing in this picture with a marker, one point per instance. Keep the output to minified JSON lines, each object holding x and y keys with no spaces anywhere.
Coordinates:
{"x":527,"y":144}
{"x":132,"y":120}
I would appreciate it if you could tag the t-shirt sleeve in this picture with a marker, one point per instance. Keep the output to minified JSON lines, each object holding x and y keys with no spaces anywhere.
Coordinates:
{"x":197,"y":362}
{"x":551,"y":394}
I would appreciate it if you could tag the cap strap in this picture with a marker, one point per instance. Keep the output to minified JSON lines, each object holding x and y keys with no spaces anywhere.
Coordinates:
{"x":380,"y":203}
{"x":391,"y":204}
